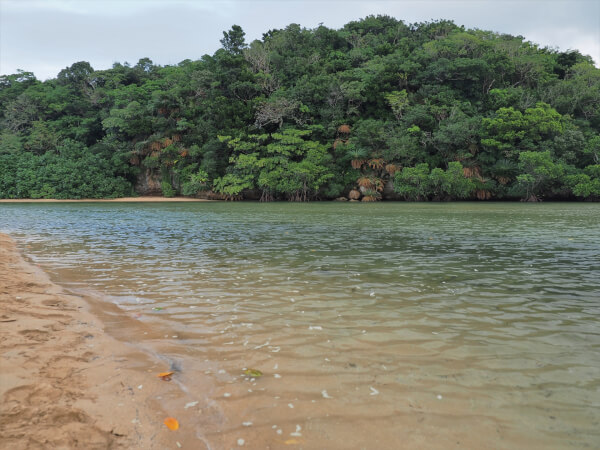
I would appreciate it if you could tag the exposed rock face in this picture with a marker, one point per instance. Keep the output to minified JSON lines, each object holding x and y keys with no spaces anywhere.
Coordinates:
{"x":148,"y":183}
{"x":388,"y":191}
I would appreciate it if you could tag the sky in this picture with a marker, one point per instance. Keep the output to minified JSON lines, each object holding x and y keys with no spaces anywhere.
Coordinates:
{"x":45,"y":36}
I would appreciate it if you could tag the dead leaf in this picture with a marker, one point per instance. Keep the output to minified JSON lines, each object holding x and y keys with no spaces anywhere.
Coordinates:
{"x":254,"y":373}
{"x":171,"y":423}
{"x":165,"y":376}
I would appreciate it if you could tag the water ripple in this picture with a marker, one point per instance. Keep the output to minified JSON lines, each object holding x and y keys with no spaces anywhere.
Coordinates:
{"x":451,"y":310}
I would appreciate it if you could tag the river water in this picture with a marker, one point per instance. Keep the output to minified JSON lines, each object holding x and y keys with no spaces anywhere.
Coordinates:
{"x":389,"y":325}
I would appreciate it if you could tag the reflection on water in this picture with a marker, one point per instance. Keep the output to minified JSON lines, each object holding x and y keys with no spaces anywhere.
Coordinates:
{"x":376,"y":326}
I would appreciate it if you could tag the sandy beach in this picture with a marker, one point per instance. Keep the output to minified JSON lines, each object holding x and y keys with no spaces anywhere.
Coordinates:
{"x":123,"y":199}
{"x":64,"y":382}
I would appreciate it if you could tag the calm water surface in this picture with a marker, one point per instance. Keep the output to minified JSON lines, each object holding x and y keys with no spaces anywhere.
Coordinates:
{"x":376,"y":326}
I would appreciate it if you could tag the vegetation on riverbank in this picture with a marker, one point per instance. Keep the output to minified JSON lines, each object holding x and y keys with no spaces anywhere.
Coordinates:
{"x":427,"y":111}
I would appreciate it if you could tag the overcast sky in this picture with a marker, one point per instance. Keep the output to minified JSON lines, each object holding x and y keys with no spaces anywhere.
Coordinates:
{"x":45,"y":36}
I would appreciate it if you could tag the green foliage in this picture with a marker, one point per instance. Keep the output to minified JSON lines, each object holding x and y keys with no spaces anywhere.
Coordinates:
{"x":398,"y":101}
{"x":592,"y":149}
{"x":71,"y":173}
{"x":538,"y":171}
{"x":586,"y":184}
{"x":413,"y":182}
{"x":455,"y":184}
{"x":233,"y":40}
{"x":10,"y":143}
{"x":265,"y":119}
{"x":286,"y":164}
{"x":232,"y":185}
{"x":593,"y":170}
{"x":151,"y":162}
{"x":167,"y":189}
{"x":512,"y":131}
{"x":419,"y":184}
{"x":197,"y":182}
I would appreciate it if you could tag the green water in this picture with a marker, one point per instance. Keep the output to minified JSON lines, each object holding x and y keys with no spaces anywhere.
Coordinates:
{"x":458,"y":321}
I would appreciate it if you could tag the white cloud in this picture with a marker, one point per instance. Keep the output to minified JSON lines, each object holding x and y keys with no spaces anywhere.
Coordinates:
{"x":569,"y":38}
{"x":46,"y":36}
{"x":111,"y":7}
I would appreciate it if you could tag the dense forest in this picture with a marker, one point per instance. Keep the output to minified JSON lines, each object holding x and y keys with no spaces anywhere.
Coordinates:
{"x":377,"y":109}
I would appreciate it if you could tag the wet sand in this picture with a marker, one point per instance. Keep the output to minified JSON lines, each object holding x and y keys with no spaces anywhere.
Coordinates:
{"x":123,"y":199}
{"x":64,"y":383}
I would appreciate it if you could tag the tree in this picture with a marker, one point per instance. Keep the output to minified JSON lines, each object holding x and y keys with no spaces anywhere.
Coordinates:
{"x":275,"y":110}
{"x":454,"y":184}
{"x":21,"y":113}
{"x":434,"y":94}
{"x":284,"y":164}
{"x":592,"y":149}
{"x":538,"y":170}
{"x":511,"y":131}
{"x":413,"y":182}
{"x":76,"y":74}
{"x":41,"y":139}
{"x":586,"y":184}
{"x":233,"y":40}
{"x":398,"y":100}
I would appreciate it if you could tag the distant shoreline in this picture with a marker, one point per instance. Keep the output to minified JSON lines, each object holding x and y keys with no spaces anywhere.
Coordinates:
{"x":123,"y":199}
{"x":190,"y":199}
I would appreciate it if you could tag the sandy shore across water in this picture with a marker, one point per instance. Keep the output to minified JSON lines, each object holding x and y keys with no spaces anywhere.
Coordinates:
{"x":116,"y":200}
{"x":64,"y":382}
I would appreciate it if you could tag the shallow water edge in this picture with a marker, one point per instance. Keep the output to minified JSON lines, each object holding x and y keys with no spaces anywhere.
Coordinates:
{"x":423,"y":324}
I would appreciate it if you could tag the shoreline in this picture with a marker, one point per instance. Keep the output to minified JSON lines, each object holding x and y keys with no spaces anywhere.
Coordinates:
{"x":149,"y":199}
{"x":66,"y":383}
{"x":107,"y":200}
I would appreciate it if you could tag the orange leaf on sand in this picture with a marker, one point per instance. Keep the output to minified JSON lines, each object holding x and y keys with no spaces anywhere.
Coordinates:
{"x":171,"y":423}
{"x":166,"y":376}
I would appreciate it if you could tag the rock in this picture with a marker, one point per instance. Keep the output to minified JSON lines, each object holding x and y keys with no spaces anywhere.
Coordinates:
{"x":341,"y":199}
{"x":148,"y":183}
{"x":389,"y":193}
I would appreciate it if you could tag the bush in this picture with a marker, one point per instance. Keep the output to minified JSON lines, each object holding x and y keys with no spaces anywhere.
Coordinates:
{"x":197,"y":182}
{"x":167,"y":189}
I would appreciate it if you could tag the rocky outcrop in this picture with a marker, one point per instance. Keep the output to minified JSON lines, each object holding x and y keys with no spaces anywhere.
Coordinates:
{"x":389,"y":193}
{"x":148,"y":183}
